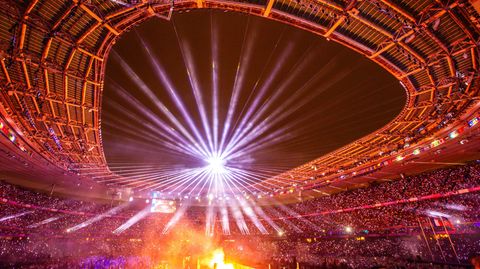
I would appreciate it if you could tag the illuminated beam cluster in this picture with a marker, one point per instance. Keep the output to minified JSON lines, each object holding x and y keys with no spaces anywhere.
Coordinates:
{"x":287,"y":222}
{"x":210,"y":221}
{"x":211,"y":143}
{"x":221,"y":146}
{"x":291,"y":212}
{"x":247,"y":209}
{"x":225,"y":221}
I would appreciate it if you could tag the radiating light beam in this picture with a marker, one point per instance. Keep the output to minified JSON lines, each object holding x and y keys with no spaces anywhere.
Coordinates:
{"x":225,"y":220}
{"x":43,"y":222}
{"x":247,"y":209}
{"x":15,"y":216}
{"x":238,"y":216}
{"x":210,"y":220}
{"x":176,"y":217}
{"x":99,"y":217}
{"x":265,"y":217}
{"x":134,"y":219}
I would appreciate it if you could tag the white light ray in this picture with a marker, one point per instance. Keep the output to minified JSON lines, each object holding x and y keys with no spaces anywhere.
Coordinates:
{"x":295,"y":71}
{"x":43,"y":222}
{"x":15,"y":216}
{"x":130,"y":222}
{"x":248,"y":180}
{"x":189,"y":181}
{"x":247,"y":209}
{"x":239,"y":80}
{"x":243,"y":128}
{"x":170,"y":88}
{"x":225,"y":220}
{"x":138,"y":181}
{"x":265,"y":217}
{"x":210,"y":221}
{"x":99,"y":217}
{"x":283,"y":219}
{"x":215,"y":102}
{"x":176,"y":217}
{"x":148,"y":92}
{"x":239,"y":184}
{"x":238,"y":216}
{"x":192,"y":78}
{"x":258,"y":123}
{"x":168,"y":133}
{"x":298,"y":216}
{"x":181,"y":177}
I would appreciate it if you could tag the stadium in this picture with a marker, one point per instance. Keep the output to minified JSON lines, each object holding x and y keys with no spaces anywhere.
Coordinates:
{"x":242,"y":134}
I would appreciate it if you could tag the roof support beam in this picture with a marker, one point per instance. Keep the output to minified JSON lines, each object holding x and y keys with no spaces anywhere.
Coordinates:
{"x":97,"y":18}
{"x":398,"y":10}
{"x":55,"y":98}
{"x":334,"y":26}
{"x":377,"y":28}
{"x":63,"y":17}
{"x":411,"y":32}
{"x":5,"y":71}
{"x":268,"y":8}
{"x":71,"y":74}
{"x":474,"y":58}
{"x":125,"y":10}
{"x":25,"y":73}
{"x":23,"y":31}
{"x":458,"y":21}
{"x":391,"y":44}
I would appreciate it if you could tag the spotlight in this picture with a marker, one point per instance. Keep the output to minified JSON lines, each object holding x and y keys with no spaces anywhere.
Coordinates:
{"x":130,"y":199}
{"x":348,"y":229}
{"x":453,"y":134}
{"x":216,"y":165}
{"x":473,"y":122}
{"x":11,"y":137}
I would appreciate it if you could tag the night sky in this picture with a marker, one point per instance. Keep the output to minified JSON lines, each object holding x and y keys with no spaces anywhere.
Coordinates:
{"x":315,"y":95}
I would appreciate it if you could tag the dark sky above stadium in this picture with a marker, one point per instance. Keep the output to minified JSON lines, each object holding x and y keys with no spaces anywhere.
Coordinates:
{"x":312,"y":95}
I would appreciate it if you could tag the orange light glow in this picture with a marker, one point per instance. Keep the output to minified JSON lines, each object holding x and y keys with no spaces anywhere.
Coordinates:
{"x":217,"y":260}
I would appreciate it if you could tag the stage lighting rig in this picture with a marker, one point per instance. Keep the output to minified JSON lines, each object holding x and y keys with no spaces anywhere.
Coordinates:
{"x":216,"y":165}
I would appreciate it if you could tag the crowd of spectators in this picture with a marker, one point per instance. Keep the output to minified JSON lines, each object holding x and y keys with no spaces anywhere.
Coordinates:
{"x":443,"y":229}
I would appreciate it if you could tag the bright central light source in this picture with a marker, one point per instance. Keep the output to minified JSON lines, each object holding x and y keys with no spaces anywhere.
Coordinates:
{"x":216,"y":165}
